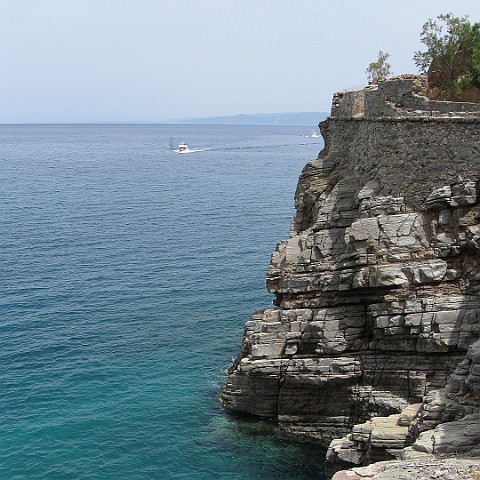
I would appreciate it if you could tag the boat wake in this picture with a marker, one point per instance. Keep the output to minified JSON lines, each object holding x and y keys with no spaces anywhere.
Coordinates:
{"x":183,"y":147}
{"x":191,"y":150}
{"x":263,"y":147}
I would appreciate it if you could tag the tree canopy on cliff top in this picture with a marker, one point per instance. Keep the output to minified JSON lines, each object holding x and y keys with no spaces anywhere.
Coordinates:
{"x":452,"y":58}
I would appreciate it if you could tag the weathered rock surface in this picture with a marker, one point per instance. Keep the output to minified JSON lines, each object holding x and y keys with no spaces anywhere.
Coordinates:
{"x":377,"y":290}
{"x":428,"y":467}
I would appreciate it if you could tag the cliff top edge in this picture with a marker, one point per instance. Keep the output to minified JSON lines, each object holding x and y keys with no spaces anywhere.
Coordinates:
{"x":398,"y":98}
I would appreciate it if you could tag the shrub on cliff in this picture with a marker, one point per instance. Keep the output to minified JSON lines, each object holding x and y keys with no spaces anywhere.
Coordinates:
{"x":380,"y":69}
{"x":452,"y":58}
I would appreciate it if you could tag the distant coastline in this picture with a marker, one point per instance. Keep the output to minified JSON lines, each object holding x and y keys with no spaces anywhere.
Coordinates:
{"x":301,"y":119}
{"x":311,"y":119}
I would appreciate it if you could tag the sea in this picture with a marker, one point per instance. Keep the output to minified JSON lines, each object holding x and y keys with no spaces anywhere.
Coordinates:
{"x":127,"y":272}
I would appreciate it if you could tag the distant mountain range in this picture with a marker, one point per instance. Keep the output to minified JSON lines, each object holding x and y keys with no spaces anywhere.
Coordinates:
{"x":309,"y":119}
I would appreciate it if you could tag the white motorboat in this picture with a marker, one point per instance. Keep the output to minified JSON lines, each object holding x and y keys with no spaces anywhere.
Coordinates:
{"x":183,"y":148}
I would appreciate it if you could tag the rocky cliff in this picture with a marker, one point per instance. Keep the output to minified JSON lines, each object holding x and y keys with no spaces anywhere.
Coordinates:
{"x":377,"y":291}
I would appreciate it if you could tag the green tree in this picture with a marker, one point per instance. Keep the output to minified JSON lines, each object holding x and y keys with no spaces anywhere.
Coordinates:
{"x":379,"y":69}
{"x":452,"y":58}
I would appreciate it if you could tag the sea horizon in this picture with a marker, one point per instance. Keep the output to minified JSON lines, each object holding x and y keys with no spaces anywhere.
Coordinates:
{"x":294,"y":119}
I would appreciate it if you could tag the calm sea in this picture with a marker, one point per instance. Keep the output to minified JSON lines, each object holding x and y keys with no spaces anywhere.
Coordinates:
{"x":126,"y":274}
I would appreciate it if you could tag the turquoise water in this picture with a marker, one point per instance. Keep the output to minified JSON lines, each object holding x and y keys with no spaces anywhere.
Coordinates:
{"x":127,"y":272}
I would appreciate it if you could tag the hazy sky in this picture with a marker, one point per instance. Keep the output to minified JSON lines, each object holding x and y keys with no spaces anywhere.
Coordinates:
{"x":153,"y":60}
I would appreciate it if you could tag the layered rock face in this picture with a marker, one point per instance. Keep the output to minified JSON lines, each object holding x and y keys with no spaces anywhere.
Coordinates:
{"x":377,"y":290}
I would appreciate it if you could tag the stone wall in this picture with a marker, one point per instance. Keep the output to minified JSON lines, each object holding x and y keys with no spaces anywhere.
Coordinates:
{"x":377,"y":290}
{"x":398,"y":98}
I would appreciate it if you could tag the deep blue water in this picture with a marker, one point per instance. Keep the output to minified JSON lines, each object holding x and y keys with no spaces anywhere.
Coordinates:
{"x":126,"y":274}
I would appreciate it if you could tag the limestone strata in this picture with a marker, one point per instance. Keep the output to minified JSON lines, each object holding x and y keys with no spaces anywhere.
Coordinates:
{"x":427,"y":468}
{"x":377,"y":290}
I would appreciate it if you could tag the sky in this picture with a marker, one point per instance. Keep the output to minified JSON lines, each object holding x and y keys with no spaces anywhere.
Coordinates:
{"x":156,"y":60}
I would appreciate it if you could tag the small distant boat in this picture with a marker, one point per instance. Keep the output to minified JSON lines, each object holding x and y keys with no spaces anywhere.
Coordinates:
{"x":183,"y":148}
{"x":313,"y":134}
